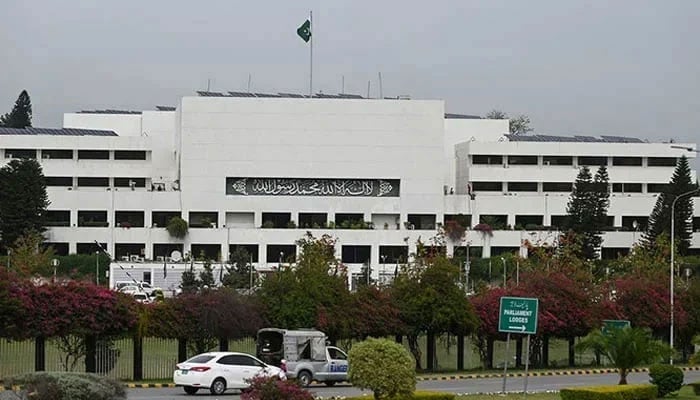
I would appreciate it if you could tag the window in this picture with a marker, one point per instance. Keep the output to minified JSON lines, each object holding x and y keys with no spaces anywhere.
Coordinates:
{"x":627,"y":188}
{"x":487,"y":160}
{"x":593,"y":161}
{"x":557,"y":160}
{"x":497,"y":251}
{"x":129,"y":219}
{"x":239,"y":359}
{"x":463,"y":220}
{"x":204,"y":219}
{"x":20,"y":153}
{"x":251,"y":249}
{"x":421,"y":221}
{"x":661,"y":161}
{"x":59,"y":248}
{"x":558,"y":221}
{"x":57,"y":154}
{"x":487,"y":186}
{"x":59,"y":181}
{"x":393,"y":254}
{"x":200,"y":359}
{"x":147,"y":277}
{"x":557,"y":187}
{"x":92,"y":219}
{"x":93,"y":154}
{"x":127,"y":182}
{"x":522,"y":160}
{"x":276,"y":220}
{"x":89,"y":248}
{"x":58,"y":218}
{"x":206,"y":251}
{"x":161,"y":218}
{"x":349,"y":221}
{"x":612,"y":253}
{"x":129,"y":155}
{"x":122,"y":250}
{"x":522,"y":186}
{"x":635,"y":223}
{"x":696,"y":224}
{"x":657,"y":187}
{"x":628,"y":161}
{"x":356,"y":254}
{"x":336,"y":354}
{"x":166,"y":249}
{"x":529,"y":222}
{"x":281,"y":253}
{"x":93,"y":182}
{"x":497,"y":222}
{"x":313,"y":220}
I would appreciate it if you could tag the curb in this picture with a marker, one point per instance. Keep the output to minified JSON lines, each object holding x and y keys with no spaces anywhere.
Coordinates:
{"x":538,"y":373}
{"x":149,"y":385}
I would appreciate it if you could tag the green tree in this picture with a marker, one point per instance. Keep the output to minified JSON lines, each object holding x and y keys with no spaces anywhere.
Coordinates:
{"x":519,"y":125}
{"x":23,"y":200}
{"x":587,"y":210}
{"x":206,"y":277}
{"x":239,"y":270}
{"x":29,"y":258}
{"x":189,"y":282}
{"x":21,"y":114}
{"x":625,"y":348}
{"x":660,"y":218}
{"x":384,"y":367}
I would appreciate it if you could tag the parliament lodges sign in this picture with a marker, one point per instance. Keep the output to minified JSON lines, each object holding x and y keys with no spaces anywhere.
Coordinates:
{"x":341,"y":187}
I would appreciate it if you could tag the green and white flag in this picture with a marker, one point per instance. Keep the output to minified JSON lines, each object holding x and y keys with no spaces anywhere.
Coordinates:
{"x":304,"y":31}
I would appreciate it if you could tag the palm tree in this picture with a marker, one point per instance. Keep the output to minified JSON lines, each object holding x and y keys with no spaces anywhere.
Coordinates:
{"x":626,"y":348}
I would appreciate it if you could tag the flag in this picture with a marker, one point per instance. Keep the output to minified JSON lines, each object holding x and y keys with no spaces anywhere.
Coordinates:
{"x":304,"y":31}
{"x":165,"y":268}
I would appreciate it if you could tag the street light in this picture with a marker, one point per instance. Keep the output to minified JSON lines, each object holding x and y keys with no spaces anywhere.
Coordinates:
{"x":673,"y":247}
{"x":97,"y":267}
{"x":54,"y":264}
{"x":504,"y":271}
{"x":466,"y":270}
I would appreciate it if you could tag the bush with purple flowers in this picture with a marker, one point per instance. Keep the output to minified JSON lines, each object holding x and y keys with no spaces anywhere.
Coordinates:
{"x":272,"y":388}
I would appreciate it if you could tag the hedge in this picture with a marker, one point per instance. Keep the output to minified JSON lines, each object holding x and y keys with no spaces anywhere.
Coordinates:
{"x":417,"y":395}
{"x":611,"y":392}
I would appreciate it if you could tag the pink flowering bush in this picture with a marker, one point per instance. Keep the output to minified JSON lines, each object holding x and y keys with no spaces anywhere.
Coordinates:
{"x":265,"y":388}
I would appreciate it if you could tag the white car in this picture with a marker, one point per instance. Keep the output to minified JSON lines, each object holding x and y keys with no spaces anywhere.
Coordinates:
{"x":220,"y":371}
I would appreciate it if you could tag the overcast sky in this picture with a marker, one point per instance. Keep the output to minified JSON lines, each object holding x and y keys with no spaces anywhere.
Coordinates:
{"x":628,"y":68}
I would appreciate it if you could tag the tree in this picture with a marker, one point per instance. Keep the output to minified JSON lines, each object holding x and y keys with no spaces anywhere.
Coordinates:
{"x":587,"y":210}
{"x":239,"y":270}
{"x":519,"y":125}
{"x":384,"y":367}
{"x":23,"y":200}
{"x":29,"y":258}
{"x":21,"y":114}
{"x":626,"y":348}
{"x":660,"y":218}
{"x":206,"y":277}
{"x":177,"y":227}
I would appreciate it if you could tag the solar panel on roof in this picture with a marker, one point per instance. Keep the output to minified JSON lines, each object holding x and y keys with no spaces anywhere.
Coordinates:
{"x":349,"y":96}
{"x":266,"y":95}
{"x":210,"y":94}
{"x":241,"y":94}
{"x":56,"y":132}
{"x":292,"y":95}
{"x":165,"y":108}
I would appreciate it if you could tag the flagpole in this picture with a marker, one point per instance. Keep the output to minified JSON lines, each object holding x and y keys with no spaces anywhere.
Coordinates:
{"x":311,"y":54}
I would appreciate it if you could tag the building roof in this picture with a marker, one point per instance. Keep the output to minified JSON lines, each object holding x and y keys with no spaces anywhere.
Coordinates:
{"x":279,"y":95}
{"x":461,"y":116}
{"x":109,"y":112}
{"x":580,"y":139}
{"x":56,"y":132}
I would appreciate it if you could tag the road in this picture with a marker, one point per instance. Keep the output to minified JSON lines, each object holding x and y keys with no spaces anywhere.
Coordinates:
{"x":486,"y":385}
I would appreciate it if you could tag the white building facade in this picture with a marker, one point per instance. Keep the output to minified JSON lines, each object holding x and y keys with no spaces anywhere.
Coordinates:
{"x":378,"y":175}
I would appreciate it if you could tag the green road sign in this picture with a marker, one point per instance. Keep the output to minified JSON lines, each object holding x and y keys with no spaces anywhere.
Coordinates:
{"x":609,"y":324}
{"x":518,"y":315}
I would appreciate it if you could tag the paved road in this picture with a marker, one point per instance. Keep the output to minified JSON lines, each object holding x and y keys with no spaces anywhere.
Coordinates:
{"x":486,"y":385}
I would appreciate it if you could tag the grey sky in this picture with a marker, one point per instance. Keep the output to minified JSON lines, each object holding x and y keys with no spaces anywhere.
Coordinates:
{"x":575,"y":67}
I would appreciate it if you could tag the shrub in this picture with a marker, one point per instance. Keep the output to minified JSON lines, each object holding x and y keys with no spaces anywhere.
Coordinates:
{"x":177,"y":227}
{"x":667,"y":378}
{"x":418,"y":395}
{"x":271,"y":388}
{"x":69,"y":386}
{"x":383,"y":366}
{"x":696,"y":387}
{"x":616,"y":392}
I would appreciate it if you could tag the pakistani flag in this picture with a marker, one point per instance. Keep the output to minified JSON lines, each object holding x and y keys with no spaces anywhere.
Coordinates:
{"x":304,"y":31}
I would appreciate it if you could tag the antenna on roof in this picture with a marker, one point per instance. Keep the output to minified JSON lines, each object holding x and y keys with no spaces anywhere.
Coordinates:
{"x":381,"y":94}
{"x":208,"y":84}
{"x":250,"y":77}
{"x":342,"y":85}
{"x":368,"y":89}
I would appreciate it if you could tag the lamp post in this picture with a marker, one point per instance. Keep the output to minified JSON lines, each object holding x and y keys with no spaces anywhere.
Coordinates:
{"x":97,"y":267}
{"x":504,"y":271}
{"x":466,"y":270}
{"x":54,"y":264}
{"x":673,"y":247}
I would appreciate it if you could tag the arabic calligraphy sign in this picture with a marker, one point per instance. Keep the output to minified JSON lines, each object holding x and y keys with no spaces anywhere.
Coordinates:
{"x":518,"y":315}
{"x":345,"y":187}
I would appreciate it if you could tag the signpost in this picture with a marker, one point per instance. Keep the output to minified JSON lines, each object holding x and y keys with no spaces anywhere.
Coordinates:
{"x":517,"y":315}
{"x":609,"y":324}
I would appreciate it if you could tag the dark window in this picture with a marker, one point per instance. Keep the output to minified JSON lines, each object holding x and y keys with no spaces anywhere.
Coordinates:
{"x":200,"y":359}
{"x":129,"y":155}
{"x":593,"y":161}
{"x":93,"y":182}
{"x":460,"y":252}
{"x":661,"y":162}
{"x":89,"y":248}
{"x":312,"y":220}
{"x":127,"y":182}
{"x":336,"y":354}
{"x":93,"y":154}
{"x":206,"y":251}
{"x":529,"y":222}
{"x":393,"y":254}
{"x":57,"y":154}
{"x":348,"y":221}
{"x":629,"y":161}
{"x":166,"y":249}
{"x":129,"y":249}
{"x":57,"y":218}
{"x":487,"y":159}
{"x":251,"y":249}
{"x":421,"y":221}
{"x":356,"y":254}
{"x":558,"y":221}
{"x":204,"y":219}
{"x":657,"y":187}
{"x":557,"y":160}
{"x":487,"y":186}
{"x":557,"y":187}
{"x":92,"y":219}
{"x":227,"y":360}
{"x":497,"y":251}
{"x":59,"y":181}
{"x":522,"y":160}
{"x":129,"y":219}
{"x":59,"y":248}
{"x":20,"y":153}
{"x":281,"y":253}
{"x":696,"y":224}
{"x":635,"y":223}
{"x":161,"y":218}
{"x":147,"y":277}
{"x":497,"y":222}
{"x":276,"y":220}
{"x":613,"y":253}
{"x":239,"y":359}
{"x":463,"y":220}
{"x":522,"y":186}
{"x":627,"y":188}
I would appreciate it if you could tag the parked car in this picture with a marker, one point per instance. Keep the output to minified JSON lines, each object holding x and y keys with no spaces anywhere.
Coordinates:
{"x":142,"y":298}
{"x":146,"y":287}
{"x":130,"y":289}
{"x":221,"y":371}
